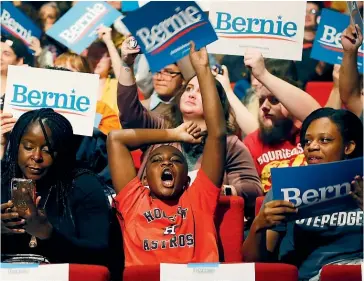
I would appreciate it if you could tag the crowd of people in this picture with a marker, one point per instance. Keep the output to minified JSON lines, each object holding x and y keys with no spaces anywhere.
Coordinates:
{"x":201,"y":138}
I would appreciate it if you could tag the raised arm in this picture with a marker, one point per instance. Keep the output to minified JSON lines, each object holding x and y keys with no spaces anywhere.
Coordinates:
{"x":297,"y":102}
{"x":105,"y":34}
{"x":246,"y":121}
{"x":119,"y":144}
{"x":132,"y":113}
{"x":214,"y":153}
{"x":350,"y":91}
{"x":334,"y":100}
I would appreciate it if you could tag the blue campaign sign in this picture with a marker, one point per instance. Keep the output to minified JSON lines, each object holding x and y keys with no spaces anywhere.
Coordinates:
{"x":327,"y":45}
{"x":164,"y":30}
{"x":128,"y":6}
{"x":317,"y":189}
{"x":77,"y":28}
{"x":14,"y":22}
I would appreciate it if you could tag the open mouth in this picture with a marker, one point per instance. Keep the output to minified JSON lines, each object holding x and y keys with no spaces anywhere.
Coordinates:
{"x":314,"y":159}
{"x":167,"y":178}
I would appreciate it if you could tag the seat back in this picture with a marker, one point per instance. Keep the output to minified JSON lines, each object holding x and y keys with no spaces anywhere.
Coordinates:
{"x":229,"y":221}
{"x":341,"y":272}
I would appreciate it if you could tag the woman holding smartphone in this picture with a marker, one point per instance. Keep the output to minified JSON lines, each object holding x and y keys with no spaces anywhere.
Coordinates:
{"x":69,"y":218}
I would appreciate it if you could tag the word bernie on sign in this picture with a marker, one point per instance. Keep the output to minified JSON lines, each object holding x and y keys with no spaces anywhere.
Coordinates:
{"x":68,"y":93}
{"x":227,"y":25}
{"x":14,"y":26}
{"x":164,"y":29}
{"x":33,"y":98}
{"x":75,"y":31}
{"x":158,"y":34}
{"x":14,"y":22}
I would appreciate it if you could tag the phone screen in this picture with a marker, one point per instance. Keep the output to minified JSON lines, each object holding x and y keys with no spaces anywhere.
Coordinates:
{"x":17,"y":195}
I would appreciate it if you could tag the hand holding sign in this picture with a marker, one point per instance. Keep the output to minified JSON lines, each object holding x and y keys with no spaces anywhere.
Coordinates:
{"x":255,"y":61}
{"x":7,"y":123}
{"x":199,"y":59}
{"x":357,"y":191}
{"x":129,"y":54}
{"x":35,"y":46}
{"x":104,"y":33}
{"x":352,"y":38}
{"x":273,"y":213}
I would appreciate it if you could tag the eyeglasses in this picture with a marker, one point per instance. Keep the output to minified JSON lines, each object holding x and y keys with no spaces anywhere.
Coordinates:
{"x":312,"y":12}
{"x":272,"y":100}
{"x":167,"y":74}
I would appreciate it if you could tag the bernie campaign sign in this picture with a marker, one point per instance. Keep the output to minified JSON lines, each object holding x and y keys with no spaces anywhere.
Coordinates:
{"x":77,"y":28}
{"x":276,"y":29}
{"x":71,"y":94}
{"x":317,"y":189}
{"x":327,"y":45}
{"x":164,"y":29}
{"x":14,"y":22}
{"x":129,"y":6}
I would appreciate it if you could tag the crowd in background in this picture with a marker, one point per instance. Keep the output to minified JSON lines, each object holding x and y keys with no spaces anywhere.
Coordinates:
{"x":224,"y":129}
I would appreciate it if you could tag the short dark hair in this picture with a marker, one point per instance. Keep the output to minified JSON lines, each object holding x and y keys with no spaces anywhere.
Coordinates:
{"x":18,"y":47}
{"x":349,"y":125}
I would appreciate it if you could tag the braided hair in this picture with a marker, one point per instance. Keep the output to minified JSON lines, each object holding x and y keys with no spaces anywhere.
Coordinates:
{"x":60,"y":175}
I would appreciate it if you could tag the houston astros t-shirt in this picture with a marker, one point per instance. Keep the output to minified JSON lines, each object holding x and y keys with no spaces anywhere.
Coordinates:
{"x":155,"y":231}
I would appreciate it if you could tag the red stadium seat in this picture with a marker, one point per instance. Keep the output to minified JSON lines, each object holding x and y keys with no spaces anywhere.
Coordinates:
{"x":263,"y":272}
{"x":341,"y":273}
{"x":258,"y":204}
{"x":320,"y":91}
{"x":83,"y":272}
{"x":229,"y":221}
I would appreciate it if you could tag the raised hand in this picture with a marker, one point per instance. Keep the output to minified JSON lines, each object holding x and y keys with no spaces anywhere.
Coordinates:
{"x":7,"y":123}
{"x":222,"y":78}
{"x":199,"y":59}
{"x":352,"y":38}
{"x":357,"y":191}
{"x":188,"y":132}
{"x":9,"y":219}
{"x":104,"y":33}
{"x":274,"y":213}
{"x":128,"y":54}
{"x":35,"y":46}
{"x":36,"y":221}
{"x":255,"y":61}
{"x":336,"y":75}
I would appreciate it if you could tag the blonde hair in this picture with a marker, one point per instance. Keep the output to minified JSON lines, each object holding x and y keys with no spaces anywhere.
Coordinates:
{"x":77,"y":62}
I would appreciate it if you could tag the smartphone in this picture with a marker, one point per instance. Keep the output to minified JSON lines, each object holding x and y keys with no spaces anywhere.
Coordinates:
{"x":219,"y":69}
{"x":17,"y":195}
{"x":227,"y":190}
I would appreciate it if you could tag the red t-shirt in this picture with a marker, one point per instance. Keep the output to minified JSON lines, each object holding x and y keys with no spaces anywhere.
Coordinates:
{"x":285,"y":154}
{"x":156,"y":232}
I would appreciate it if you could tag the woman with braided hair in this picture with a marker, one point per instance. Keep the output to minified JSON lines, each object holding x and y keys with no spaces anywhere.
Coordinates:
{"x":70,"y":216}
